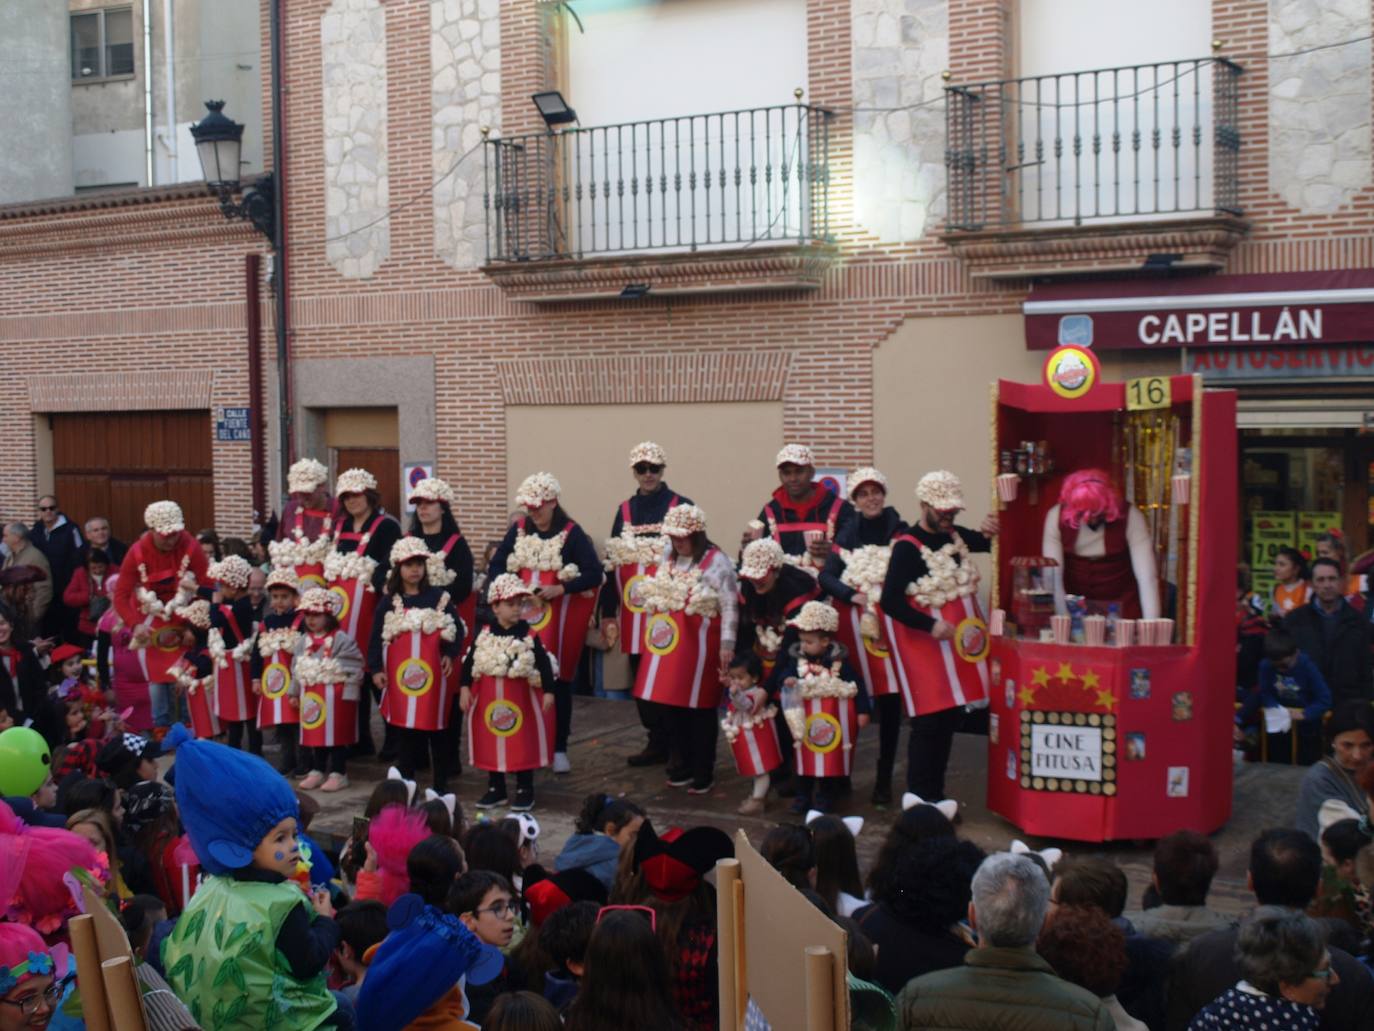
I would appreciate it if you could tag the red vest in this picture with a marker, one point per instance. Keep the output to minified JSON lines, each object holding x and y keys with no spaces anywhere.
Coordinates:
{"x":1107,"y":578}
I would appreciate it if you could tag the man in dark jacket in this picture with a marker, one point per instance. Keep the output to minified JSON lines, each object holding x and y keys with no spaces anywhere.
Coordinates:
{"x":98,"y":535}
{"x":1285,"y":869}
{"x":1334,"y":636}
{"x":1003,"y":983}
{"x":60,"y":542}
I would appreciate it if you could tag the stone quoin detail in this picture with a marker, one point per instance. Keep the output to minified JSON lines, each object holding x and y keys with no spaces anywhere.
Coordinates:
{"x":465,"y":69}
{"x":357,"y":194}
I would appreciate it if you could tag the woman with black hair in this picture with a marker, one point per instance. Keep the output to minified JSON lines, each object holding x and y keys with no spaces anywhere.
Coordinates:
{"x":433,"y":865}
{"x":788,"y":849}
{"x":626,"y":980}
{"x":356,"y":569}
{"x":604,"y":826}
{"x":554,"y":555}
{"x":22,"y":691}
{"x":415,"y":648}
{"x":918,"y":822}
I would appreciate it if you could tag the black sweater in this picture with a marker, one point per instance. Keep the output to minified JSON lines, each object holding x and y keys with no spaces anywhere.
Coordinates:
{"x":787,"y":667}
{"x":645,"y":510}
{"x":428,"y":598}
{"x":386,"y":533}
{"x":857,"y":533}
{"x":272,"y":621}
{"x":520,"y":629}
{"x":22,"y":695}
{"x":907,"y":566}
{"x":458,"y":561}
{"x":577,"y":550}
{"x":242,"y":610}
{"x":792,"y":590}
{"x":816,"y":507}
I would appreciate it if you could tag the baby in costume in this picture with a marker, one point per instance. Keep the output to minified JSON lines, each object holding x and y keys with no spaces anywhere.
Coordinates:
{"x":251,"y":949}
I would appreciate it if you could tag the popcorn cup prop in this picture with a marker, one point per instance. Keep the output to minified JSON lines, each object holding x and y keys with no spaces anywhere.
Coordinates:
{"x":1182,"y":488}
{"x":1125,"y":633}
{"x":507,"y":728}
{"x":997,"y":625}
{"x":1008,"y":484}
{"x":1166,"y":631}
{"x":1060,"y":626}
{"x":562,"y":623}
{"x":417,"y":694}
{"x":754,"y":741}
{"x":937,"y":675}
{"x":825,"y":746}
{"x":681,"y":659}
{"x":813,"y":536}
{"x":1095,"y":630}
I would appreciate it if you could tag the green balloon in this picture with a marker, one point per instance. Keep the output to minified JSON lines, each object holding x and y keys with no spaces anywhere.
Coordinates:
{"x":25,"y":762}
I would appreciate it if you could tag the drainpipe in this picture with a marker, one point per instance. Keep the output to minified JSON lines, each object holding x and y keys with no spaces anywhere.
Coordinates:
{"x":281,"y":269}
{"x":150,"y":172}
{"x":168,"y":43}
{"x":252,"y":280}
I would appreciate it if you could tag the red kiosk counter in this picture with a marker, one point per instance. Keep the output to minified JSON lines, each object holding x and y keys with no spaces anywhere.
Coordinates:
{"x":1100,"y":743}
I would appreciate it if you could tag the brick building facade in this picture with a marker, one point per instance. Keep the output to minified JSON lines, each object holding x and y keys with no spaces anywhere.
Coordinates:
{"x":875,"y":345}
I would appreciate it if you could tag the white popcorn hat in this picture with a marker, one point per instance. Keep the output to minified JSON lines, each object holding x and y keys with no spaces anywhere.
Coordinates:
{"x":164,"y":517}
{"x":354,"y":481}
{"x":305,"y":475}
{"x":431,"y":488}
{"x":648,"y":451}
{"x":796,"y":454}
{"x":684,"y":520}
{"x":760,"y":558}
{"x":408,"y":548}
{"x":320,"y":600}
{"x":816,"y":615}
{"x":537,"y":489}
{"x":197,"y":614}
{"x":283,"y":576}
{"x":232,"y":570}
{"x":507,"y":587}
{"x":941,"y":490}
{"x":867,"y":474}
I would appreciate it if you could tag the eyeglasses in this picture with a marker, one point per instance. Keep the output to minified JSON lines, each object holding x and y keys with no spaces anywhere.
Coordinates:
{"x":646,"y":911}
{"x":47,"y":508}
{"x":641,"y":468}
{"x":500,"y":909}
{"x":49,"y":996}
{"x":1324,"y":974}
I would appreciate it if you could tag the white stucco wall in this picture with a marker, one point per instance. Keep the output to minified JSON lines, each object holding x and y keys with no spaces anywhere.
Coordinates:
{"x":37,"y":108}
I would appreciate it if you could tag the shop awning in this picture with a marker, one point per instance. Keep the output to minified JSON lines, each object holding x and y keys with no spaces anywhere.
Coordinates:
{"x":1208,"y":311}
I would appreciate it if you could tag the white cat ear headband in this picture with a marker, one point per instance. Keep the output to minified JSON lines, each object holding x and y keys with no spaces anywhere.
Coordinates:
{"x":450,"y":800}
{"x":947,"y":806}
{"x":854,"y":823}
{"x":1049,"y":855}
{"x":394,"y":774}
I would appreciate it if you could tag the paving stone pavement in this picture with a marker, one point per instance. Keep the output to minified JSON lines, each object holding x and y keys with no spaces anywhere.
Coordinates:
{"x":606,"y":731}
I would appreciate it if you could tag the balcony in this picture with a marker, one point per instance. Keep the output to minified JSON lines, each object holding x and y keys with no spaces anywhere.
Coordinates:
{"x":1110,"y":170}
{"x":730,"y":202}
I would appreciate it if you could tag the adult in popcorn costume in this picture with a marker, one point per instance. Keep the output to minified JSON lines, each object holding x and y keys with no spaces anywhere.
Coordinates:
{"x":274,"y":651}
{"x":356,"y":570}
{"x":230,"y":645}
{"x":155,"y":595}
{"x":324,"y":686}
{"x":507,"y":691}
{"x":632,"y":553}
{"x":853,"y":578}
{"x":554,"y":555}
{"x":824,"y":704}
{"x":691,"y":609}
{"x":417,"y":640}
{"x":251,"y":949}
{"x":931,"y":616}
{"x":802,"y":515}
{"x":306,"y":530}
{"x":450,"y":567}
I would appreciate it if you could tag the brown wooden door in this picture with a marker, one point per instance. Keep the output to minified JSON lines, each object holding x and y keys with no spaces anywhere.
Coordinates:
{"x":114,"y":464}
{"x":383,"y":463}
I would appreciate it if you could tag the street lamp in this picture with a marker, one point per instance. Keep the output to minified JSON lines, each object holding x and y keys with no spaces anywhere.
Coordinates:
{"x":553,"y":109}
{"x":219,"y":141}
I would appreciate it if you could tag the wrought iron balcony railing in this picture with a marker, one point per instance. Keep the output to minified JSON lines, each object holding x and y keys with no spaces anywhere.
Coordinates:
{"x":1140,"y":142}
{"x":731,"y":179}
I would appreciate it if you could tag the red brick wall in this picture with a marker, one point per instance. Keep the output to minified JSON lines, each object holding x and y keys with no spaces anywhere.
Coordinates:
{"x":156,"y":283}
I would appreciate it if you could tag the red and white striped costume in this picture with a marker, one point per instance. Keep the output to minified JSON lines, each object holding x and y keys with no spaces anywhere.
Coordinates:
{"x":278,"y":650}
{"x":753,"y":740}
{"x":507,"y":728}
{"x":328,"y":702}
{"x":349,"y":575}
{"x":825,"y":729}
{"x":681,"y":664}
{"x":417,"y":694}
{"x":234,"y":700}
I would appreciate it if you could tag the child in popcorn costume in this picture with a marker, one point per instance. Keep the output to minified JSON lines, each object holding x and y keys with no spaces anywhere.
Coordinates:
{"x":270,"y":667}
{"x":230,"y":645}
{"x":32,"y":977}
{"x":825,"y":705}
{"x":417,"y":638}
{"x":751,"y":728}
{"x":325,"y":685}
{"x":507,"y":690}
{"x":251,"y":949}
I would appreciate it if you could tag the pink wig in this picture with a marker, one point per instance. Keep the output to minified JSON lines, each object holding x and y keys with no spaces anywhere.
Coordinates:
{"x":1088,"y":496}
{"x":109,"y":619}
{"x":393,"y":833}
{"x":34,"y":862}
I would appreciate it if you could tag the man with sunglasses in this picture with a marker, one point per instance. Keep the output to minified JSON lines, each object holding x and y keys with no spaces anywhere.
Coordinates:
{"x":641,"y":515}
{"x":60,"y":541}
{"x":936,"y":709}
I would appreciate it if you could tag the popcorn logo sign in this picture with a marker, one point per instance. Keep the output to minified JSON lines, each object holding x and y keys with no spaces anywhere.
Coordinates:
{"x":312,"y":711}
{"x":536,"y":612}
{"x":822,"y":732}
{"x":633,"y":595}
{"x":1072,"y":371}
{"x":167,"y":638}
{"x":661,"y":635}
{"x":414,"y":677}
{"x":971,"y":640}
{"x":276,"y":680}
{"x":502,"y":718}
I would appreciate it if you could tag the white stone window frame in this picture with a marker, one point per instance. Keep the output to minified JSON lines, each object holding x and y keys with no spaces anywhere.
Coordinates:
{"x":101,"y":14}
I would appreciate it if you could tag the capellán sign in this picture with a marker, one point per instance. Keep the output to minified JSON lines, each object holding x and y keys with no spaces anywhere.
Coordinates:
{"x":1320,"y":308}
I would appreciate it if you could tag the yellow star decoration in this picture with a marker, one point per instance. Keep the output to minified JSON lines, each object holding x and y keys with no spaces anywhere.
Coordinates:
{"x":1105,"y":699}
{"x":1040,"y":677}
{"x":1027,"y":695}
{"x":1091,"y":681}
{"x":1065,"y":673}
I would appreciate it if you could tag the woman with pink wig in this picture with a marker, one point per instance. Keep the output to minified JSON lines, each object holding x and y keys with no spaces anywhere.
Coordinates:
{"x":120,"y":669}
{"x":1103,"y":545}
{"x":34,"y":863}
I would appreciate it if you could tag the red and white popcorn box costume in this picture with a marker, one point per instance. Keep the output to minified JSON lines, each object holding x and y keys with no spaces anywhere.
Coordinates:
{"x":349,"y":576}
{"x":825,"y":746}
{"x":165,"y":623}
{"x":754,"y":740}
{"x":417,"y":694}
{"x":507,"y":728}
{"x":562,"y":623}
{"x":632,"y":558}
{"x":200,"y":704}
{"x":278,"y":650}
{"x":681,"y":639}
{"x":328,"y":692}
{"x":937,"y":675}
{"x":861,"y":630}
